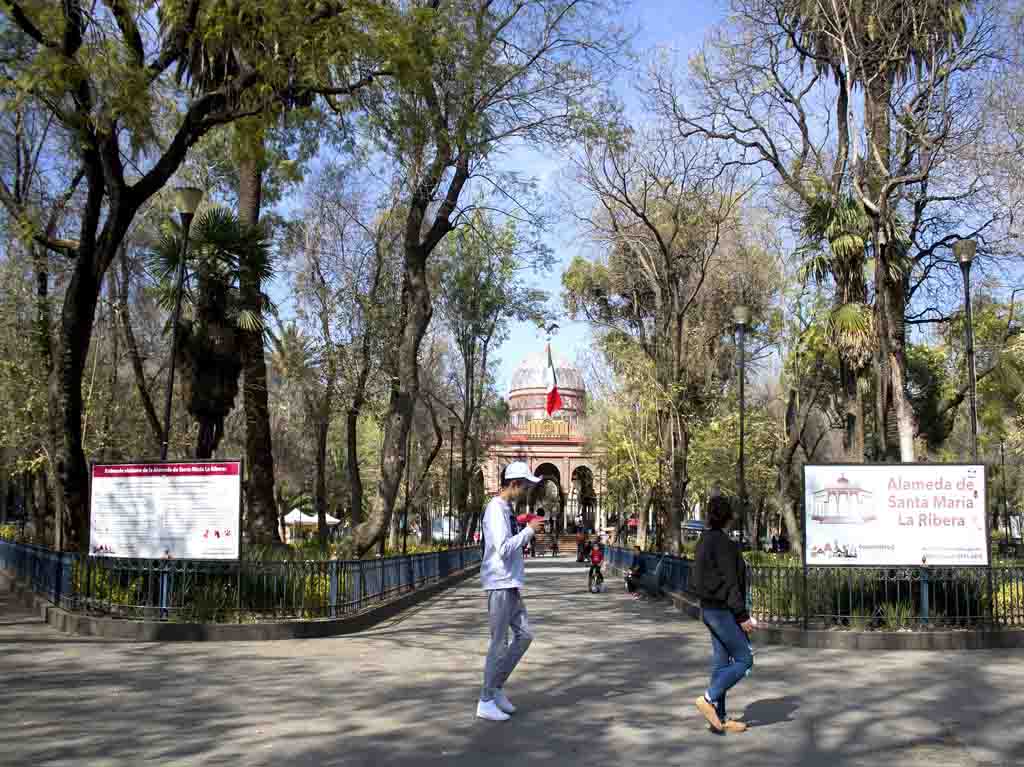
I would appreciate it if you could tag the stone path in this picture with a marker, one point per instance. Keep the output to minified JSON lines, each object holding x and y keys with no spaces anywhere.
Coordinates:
{"x":608,"y":681}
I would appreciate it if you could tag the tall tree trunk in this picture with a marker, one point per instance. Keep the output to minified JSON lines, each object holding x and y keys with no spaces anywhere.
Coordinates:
{"x":211,"y":429}
{"x":852,"y":405}
{"x":679,"y":481}
{"x":77,"y":321}
{"x":903,"y":412}
{"x":133,"y":354}
{"x":359,"y":394}
{"x":262,"y":515}
{"x":426,"y":524}
{"x":462,"y":488}
{"x":355,"y":477}
{"x":44,"y":346}
{"x":5,"y":484}
{"x":895,"y":432}
{"x":320,"y":480}
{"x":415,"y":317}
{"x":641,"y":522}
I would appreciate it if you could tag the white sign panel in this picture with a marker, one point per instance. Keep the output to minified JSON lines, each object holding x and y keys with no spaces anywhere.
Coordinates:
{"x":166,"y":510}
{"x":896,"y":514}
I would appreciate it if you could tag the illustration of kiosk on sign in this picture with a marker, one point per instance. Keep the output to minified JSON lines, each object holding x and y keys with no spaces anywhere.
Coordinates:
{"x":842,"y":504}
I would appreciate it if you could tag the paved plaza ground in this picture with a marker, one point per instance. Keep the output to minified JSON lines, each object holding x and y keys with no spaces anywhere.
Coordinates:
{"x":607,"y":682}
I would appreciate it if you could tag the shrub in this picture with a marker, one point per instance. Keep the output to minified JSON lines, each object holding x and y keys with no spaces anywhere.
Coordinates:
{"x":861,"y":619}
{"x":212,"y":601}
{"x":766,"y":559}
{"x":897,"y":615}
{"x":105,"y":585}
{"x":1009,"y":600}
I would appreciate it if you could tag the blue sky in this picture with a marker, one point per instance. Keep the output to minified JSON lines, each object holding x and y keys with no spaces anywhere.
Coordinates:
{"x":680,"y":25}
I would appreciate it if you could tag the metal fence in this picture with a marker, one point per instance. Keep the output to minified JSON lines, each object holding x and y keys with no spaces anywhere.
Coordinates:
{"x":865,"y":598}
{"x":213,"y":591}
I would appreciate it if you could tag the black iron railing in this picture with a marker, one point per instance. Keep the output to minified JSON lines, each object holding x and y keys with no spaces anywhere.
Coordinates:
{"x":866,"y":598}
{"x":212,"y":591}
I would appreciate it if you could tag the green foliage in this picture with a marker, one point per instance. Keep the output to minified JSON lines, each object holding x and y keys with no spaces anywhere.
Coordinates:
{"x":861,"y":619}
{"x":1009,"y":599}
{"x":214,"y":312}
{"x":105,"y":585}
{"x":714,"y":452}
{"x":878,"y":28}
{"x":929,"y":386}
{"x":765,"y":559}
{"x":208,"y":600}
{"x":896,"y":616}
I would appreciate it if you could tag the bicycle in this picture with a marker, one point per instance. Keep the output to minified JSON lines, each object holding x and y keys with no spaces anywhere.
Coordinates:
{"x":595,"y":584}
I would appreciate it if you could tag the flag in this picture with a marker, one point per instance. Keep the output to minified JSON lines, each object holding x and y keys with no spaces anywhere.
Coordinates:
{"x":554,"y":398}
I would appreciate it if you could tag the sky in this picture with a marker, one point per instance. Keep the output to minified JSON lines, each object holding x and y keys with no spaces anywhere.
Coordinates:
{"x":679,"y":25}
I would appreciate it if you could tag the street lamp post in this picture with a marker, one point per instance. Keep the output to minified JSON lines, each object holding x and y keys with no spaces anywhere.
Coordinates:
{"x":451,"y":463}
{"x":964,"y":251}
{"x":187,"y":199}
{"x":741,"y":316}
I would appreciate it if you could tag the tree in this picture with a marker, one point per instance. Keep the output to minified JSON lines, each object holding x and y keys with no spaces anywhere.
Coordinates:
{"x":342,"y":266}
{"x":480,"y":289}
{"x":899,"y":158}
{"x":629,"y":441}
{"x":505,"y":71}
{"x":101,"y":76}
{"x":713,"y":455}
{"x":224,"y":47}
{"x":209,"y":347}
{"x":667,"y":217}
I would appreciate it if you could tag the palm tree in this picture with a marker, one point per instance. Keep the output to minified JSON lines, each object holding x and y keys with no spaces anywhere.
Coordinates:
{"x":213,"y":59}
{"x":890,"y":40}
{"x":225,"y":41}
{"x":216,"y":314}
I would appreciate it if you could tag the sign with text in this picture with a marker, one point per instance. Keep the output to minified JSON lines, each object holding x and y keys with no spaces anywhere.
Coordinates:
{"x":184,"y":510}
{"x":895,"y":514}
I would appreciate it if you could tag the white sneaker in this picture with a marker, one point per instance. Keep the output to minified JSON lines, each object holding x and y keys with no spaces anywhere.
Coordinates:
{"x":489,"y":710}
{"x":502,"y":701}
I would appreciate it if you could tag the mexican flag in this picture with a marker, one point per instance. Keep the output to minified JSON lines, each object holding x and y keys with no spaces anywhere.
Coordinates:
{"x":550,"y":379}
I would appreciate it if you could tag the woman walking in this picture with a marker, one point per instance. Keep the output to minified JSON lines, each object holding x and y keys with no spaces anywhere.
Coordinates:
{"x":720,"y":580}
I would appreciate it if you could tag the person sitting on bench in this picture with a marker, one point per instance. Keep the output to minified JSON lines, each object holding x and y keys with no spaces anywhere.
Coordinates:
{"x":636,"y":571}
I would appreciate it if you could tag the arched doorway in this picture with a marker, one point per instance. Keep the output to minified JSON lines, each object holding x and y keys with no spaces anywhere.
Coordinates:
{"x":548,"y":494}
{"x":583,"y":503}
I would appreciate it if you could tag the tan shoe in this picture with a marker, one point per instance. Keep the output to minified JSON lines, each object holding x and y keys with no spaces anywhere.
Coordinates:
{"x":731,"y":725}
{"x":708,"y":710}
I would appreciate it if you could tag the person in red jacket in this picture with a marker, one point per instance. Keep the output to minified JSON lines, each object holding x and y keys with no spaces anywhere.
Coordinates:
{"x":596,"y":560}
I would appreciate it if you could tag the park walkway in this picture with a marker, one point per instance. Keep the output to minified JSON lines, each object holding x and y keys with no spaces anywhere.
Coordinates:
{"x":608,"y":682}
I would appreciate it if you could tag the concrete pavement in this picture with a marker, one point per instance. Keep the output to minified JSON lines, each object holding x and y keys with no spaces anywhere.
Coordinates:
{"x":608,"y":681}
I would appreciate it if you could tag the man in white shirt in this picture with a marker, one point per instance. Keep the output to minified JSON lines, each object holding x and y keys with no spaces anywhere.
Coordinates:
{"x":502,"y":573}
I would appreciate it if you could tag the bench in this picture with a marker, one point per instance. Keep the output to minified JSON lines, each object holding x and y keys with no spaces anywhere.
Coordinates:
{"x":651,"y":581}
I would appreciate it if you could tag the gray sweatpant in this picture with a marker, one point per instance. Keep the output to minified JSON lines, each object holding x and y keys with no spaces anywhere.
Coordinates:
{"x":505,"y":611}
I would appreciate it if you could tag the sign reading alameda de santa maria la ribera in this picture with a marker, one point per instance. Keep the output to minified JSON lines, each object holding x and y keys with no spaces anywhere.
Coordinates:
{"x":174,"y":510}
{"x":895,"y":514}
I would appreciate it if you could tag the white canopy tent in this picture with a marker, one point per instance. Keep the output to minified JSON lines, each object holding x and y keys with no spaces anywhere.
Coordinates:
{"x":297,"y":519}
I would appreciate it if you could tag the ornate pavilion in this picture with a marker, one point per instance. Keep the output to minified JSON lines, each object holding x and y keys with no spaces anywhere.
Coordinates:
{"x":554,"y":447}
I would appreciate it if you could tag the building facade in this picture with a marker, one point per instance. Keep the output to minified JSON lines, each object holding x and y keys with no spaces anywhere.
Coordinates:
{"x":555,"y":448}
